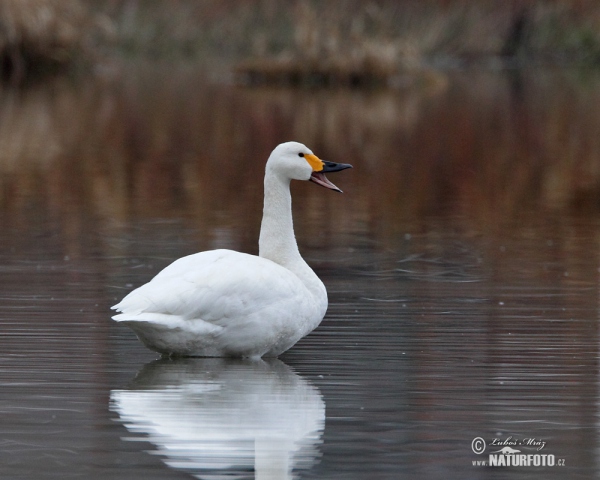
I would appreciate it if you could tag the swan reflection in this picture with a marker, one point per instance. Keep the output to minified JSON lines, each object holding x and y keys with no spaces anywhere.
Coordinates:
{"x":220,"y":418}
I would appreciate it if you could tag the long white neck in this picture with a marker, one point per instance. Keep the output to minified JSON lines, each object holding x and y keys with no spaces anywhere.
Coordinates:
{"x":277,"y":241}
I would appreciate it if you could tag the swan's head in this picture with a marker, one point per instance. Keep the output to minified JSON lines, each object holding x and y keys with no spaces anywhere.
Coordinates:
{"x":295,"y":161}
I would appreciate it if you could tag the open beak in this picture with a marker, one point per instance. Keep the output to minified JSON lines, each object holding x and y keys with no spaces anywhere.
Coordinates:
{"x":320,"y":179}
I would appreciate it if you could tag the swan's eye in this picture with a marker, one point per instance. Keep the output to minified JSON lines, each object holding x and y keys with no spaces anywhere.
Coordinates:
{"x":301,"y":154}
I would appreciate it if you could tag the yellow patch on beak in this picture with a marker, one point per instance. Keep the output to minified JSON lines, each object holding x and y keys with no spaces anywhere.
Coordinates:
{"x":315,"y":162}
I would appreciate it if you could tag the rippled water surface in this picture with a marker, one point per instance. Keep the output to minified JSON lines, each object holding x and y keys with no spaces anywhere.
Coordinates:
{"x":461,"y":262}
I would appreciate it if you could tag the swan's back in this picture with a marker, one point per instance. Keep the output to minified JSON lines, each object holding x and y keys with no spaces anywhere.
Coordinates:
{"x":221,"y":303}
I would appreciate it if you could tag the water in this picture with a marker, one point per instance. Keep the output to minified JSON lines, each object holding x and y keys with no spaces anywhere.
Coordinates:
{"x":461,"y":262}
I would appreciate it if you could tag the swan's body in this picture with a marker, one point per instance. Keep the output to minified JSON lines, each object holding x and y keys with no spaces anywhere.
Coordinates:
{"x":225,"y":303}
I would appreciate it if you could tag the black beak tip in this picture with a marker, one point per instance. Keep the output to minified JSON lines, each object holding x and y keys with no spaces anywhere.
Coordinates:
{"x":335,"y":167}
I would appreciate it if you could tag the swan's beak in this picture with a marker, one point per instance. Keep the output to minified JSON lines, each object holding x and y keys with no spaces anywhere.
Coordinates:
{"x":320,"y":179}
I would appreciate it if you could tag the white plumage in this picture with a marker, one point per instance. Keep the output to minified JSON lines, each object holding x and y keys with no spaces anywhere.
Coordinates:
{"x":226,"y":303}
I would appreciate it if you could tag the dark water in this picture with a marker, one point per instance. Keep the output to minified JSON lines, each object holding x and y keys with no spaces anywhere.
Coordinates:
{"x":461,"y":262}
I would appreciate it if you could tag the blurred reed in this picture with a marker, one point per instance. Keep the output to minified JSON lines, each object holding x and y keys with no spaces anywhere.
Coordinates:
{"x":354,"y":42}
{"x":357,"y":42}
{"x":351,"y":42}
{"x":37,"y":36}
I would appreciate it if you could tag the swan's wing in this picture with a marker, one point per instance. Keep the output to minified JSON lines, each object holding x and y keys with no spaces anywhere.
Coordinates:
{"x":212,"y":286}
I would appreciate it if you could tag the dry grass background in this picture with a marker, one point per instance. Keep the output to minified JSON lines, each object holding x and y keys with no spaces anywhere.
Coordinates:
{"x":341,"y":41}
{"x":43,"y":35}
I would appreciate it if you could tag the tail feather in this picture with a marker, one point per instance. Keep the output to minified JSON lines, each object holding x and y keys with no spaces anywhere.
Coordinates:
{"x":162,"y":321}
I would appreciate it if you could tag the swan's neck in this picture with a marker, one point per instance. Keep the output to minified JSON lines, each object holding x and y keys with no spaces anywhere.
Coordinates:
{"x":277,"y":241}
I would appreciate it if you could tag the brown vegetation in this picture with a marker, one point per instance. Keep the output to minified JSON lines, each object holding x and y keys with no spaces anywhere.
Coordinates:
{"x":351,"y":42}
{"x":356,"y":42}
{"x":41,"y":35}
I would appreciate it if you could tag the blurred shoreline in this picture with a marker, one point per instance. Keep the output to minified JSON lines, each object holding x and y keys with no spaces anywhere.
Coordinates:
{"x":348,"y":42}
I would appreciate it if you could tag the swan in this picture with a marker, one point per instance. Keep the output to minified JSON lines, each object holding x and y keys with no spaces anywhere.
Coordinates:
{"x":223,"y":303}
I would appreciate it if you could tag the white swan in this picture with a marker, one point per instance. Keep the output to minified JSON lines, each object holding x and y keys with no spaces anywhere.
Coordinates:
{"x":224,"y":303}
